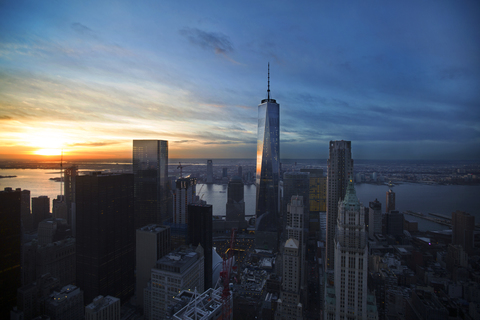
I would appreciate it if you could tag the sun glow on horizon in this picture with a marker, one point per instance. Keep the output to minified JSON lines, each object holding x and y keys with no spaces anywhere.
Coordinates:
{"x":48,"y":152}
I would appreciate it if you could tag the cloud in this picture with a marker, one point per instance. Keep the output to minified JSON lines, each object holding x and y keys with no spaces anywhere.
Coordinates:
{"x":5,"y":118}
{"x":94,"y":144}
{"x":220,"y":43}
{"x":82,"y":29}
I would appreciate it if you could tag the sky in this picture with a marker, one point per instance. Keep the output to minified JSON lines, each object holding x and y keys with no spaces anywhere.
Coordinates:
{"x":400,"y":79}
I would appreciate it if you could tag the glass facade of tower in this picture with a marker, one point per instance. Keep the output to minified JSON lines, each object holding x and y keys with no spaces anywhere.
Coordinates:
{"x":150,"y":168}
{"x":268,"y":159}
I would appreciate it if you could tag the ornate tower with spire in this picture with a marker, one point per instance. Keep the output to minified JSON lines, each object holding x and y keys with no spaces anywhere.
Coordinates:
{"x":268,"y":161}
{"x":348,"y":298}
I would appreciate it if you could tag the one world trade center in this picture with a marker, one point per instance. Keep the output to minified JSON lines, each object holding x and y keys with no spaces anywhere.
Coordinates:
{"x":267,"y":176}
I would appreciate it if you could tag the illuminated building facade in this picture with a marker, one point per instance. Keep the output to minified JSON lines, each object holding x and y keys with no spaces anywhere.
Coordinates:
{"x":268,"y":160}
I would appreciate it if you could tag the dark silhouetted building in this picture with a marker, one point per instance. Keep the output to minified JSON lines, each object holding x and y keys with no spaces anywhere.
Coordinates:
{"x":394,"y":223}
{"x":10,"y":248}
{"x":105,"y":235}
{"x":59,"y":208}
{"x":267,"y":223}
{"x":235,"y":209}
{"x":390,"y":204}
{"x":224,"y":172}
{"x":200,"y":232}
{"x":40,"y":209}
{"x":340,"y":171}
{"x":31,"y":297}
{"x":152,"y":194}
{"x":463,"y":225}
{"x":209,"y":171}
{"x":55,"y":258}
{"x":70,"y":176}
{"x":374,"y":218}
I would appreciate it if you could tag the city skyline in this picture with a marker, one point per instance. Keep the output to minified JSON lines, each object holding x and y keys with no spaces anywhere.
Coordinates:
{"x":398,"y":79}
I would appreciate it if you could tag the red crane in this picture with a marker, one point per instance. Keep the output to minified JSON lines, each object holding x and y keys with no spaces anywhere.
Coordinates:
{"x":225,"y":275}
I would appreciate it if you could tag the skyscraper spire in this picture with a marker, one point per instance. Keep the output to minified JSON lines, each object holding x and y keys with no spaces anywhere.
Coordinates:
{"x":268,"y":90}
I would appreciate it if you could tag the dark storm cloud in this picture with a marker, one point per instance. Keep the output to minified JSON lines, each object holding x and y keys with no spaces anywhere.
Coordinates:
{"x":220,"y":43}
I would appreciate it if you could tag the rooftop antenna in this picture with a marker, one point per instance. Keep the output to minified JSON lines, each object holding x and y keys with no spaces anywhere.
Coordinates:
{"x":268,"y":90}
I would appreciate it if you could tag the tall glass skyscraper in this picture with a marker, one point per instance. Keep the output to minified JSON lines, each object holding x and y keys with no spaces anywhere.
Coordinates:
{"x":340,"y":171}
{"x":150,"y":169}
{"x":268,"y":159}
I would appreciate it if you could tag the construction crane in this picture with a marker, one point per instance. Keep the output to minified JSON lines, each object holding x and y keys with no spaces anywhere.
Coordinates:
{"x":181,"y":169}
{"x":225,"y":276}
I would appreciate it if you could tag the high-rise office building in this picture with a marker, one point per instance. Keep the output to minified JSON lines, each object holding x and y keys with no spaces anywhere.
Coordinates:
{"x":10,"y":248}
{"x":177,"y":271}
{"x":295,"y":226}
{"x":296,"y":184}
{"x":103,"y":308}
{"x":268,"y":160}
{"x":31,"y":297}
{"x":185,"y":194}
{"x":150,"y":169}
{"x":153,"y":242}
{"x":463,"y":227}
{"x":289,"y":306}
{"x":351,"y":262}
{"x":200,"y":227}
{"x":390,"y":203}
{"x":105,"y":256}
{"x":317,"y":202}
{"x":209,"y":171}
{"x":374,"y":218}
{"x":55,"y":258}
{"x":40,"y":209}
{"x":394,"y":223}
{"x":59,"y":208}
{"x":235,"y":208}
{"x":317,"y":199}
{"x":67,"y":304}
{"x":295,"y":220}
{"x":340,"y":171}
{"x":70,"y":176}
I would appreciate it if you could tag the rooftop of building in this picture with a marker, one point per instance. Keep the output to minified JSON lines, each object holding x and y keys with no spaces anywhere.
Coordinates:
{"x":153,"y":228}
{"x":100,"y":303}
{"x":65,"y":293}
{"x":180,"y":259}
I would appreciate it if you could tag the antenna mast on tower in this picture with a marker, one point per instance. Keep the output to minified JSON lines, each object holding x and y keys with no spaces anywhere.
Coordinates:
{"x":268,"y":90}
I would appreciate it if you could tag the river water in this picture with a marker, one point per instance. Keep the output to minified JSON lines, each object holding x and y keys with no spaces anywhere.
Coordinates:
{"x":409,"y":196}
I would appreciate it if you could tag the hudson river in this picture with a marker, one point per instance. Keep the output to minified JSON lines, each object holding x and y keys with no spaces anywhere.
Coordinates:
{"x":409,"y":196}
